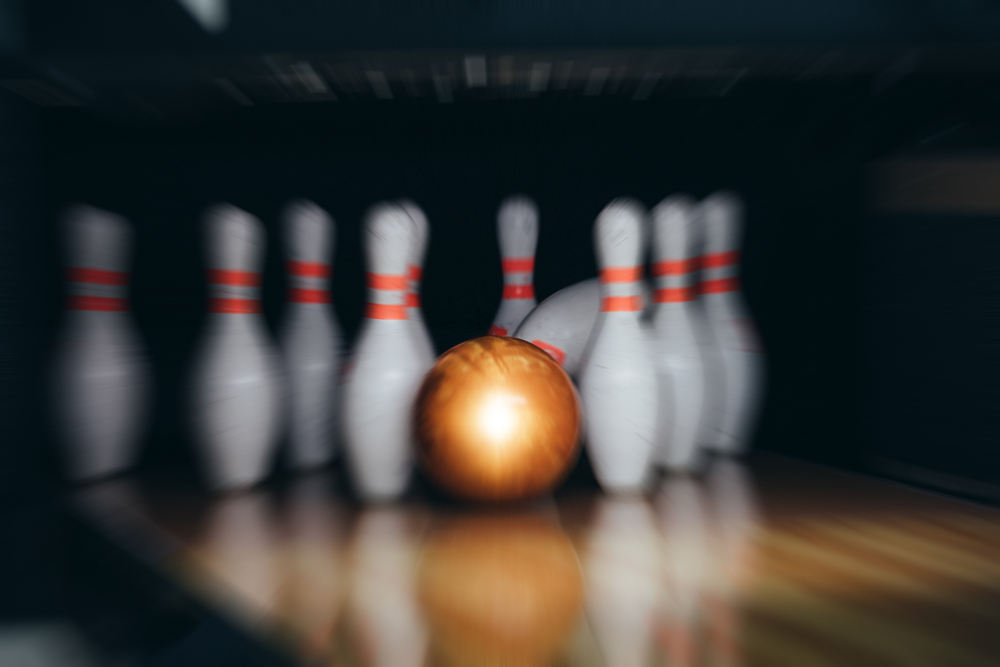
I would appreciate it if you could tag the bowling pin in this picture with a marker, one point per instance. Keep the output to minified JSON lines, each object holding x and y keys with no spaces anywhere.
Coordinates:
{"x":517,"y":229}
{"x":310,"y":340}
{"x":621,"y":565}
{"x":101,"y":378}
{"x":237,"y":392}
{"x":387,"y":364}
{"x":561,"y":324}
{"x":740,"y":357}
{"x":679,"y":358}
{"x":415,"y":273}
{"x":618,"y":381}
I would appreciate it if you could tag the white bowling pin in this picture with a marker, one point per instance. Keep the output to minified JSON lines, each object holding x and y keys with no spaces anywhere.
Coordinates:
{"x":237,"y":392}
{"x":621,"y":565}
{"x":679,"y":358}
{"x":517,"y":229}
{"x":101,"y":378}
{"x":387,"y":364}
{"x":415,"y":272}
{"x":618,"y":381}
{"x":311,"y":340}
{"x":739,"y":351}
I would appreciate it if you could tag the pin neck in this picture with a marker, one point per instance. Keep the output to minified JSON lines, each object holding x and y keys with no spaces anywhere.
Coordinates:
{"x":675,"y":280}
{"x":309,"y":282}
{"x":720,"y":272}
{"x":97,"y":289}
{"x":387,"y":296}
{"x":518,"y":277}
{"x":621,"y":289}
{"x":233,"y":292}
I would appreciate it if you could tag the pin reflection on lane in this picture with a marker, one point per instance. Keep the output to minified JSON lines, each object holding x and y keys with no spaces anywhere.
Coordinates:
{"x":621,"y":562}
{"x":735,"y":521}
{"x":385,"y":625}
{"x":312,"y":598}
{"x":681,"y":505}
{"x":239,"y":547}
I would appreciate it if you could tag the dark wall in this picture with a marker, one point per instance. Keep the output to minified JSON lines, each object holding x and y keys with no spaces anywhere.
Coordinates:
{"x":29,"y":526}
{"x":931,"y":354}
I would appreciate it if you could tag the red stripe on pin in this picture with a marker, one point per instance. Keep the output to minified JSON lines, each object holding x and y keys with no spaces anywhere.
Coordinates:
{"x":673,"y":294}
{"x":385,"y":311}
{"x":518,"y":264}
{"x":412,"y":300}
{"x":674,"y":267}
{"x":553,"y":351}
{"x":621,"y":304}
{"x":233,"y":277}
{"x":386,"y":282}
{"x":308,"y":269}
{"x":234,"y":306}
{"x":102,"y":303}
{"x":720,"y":259}
{"x":415,"y":273}
{"x":299,"y":295}
{"x":518,"y":291}
{"x":720,"y":285}
{"x":96,"y":276}
{"x":621,"y":274}
{"x":497,"y":331}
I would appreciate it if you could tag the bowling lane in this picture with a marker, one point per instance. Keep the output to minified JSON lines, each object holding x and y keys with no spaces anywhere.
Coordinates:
{"x":775,"y":562}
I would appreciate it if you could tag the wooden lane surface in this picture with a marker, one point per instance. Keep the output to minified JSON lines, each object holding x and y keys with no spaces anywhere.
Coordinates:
{"x":775,"y":563}
{"x":857,"y":571}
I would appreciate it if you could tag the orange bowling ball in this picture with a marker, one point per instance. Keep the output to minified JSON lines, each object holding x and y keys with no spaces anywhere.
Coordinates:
{"x":497,"y":419}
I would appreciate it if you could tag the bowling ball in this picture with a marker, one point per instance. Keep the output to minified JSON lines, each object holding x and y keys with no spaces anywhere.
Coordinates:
{"x":499,"y":590}
{"x":497,"y":419}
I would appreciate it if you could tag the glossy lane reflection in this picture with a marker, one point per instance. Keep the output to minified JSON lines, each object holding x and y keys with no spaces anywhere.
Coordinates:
{"x":312,"y":599}
{"x":386,"y":627}
{"x":621,"y":562}
{"x":502,"y":589}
